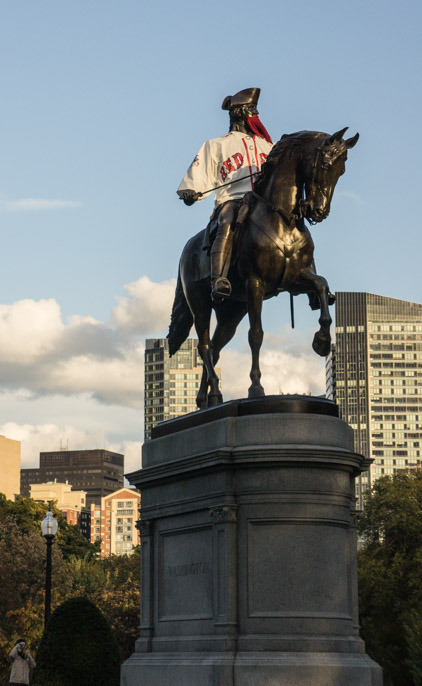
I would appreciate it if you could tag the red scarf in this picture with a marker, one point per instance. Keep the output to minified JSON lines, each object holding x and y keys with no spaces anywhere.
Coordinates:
{"x":256,"y":125}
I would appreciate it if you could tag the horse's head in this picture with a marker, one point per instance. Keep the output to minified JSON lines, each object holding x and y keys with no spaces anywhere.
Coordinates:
{"x":322,"y":167}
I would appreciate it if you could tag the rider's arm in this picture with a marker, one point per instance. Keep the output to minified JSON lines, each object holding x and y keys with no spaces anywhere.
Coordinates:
{"x":200,"y":177}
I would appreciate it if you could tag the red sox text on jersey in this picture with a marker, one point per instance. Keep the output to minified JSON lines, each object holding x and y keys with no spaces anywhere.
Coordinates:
{"x":233,"y":157}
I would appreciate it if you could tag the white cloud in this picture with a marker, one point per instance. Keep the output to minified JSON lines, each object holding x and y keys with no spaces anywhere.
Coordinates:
{"x":36,"y":204}
{"x":44,"y":437}
{"x":147,"y":308}
{"x":36,"y":438}
{"x":132,"y":450}
{"x":42,"y":354}
{"x":116,"y":380}
{"x":79,"y":383}
{"x":282,"y":372}
{"x":28,"y":329}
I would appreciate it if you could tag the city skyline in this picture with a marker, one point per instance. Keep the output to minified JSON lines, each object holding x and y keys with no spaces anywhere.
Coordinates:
{"x":94,"y":146}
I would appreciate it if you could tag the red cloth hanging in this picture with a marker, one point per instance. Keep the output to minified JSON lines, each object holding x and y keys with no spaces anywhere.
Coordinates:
{"x":256,"y":125}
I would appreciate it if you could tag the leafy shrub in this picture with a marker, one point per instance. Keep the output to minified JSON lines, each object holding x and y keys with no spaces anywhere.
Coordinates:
{"x":77,"y":648}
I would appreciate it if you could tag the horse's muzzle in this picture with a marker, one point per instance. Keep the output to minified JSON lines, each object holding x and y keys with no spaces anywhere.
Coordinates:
{"x":318,"y":214}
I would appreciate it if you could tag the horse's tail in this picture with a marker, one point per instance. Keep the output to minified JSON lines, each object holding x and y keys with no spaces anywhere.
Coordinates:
{"x":181,"y":319}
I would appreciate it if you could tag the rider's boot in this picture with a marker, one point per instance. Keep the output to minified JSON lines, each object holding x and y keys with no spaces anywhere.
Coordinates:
{"x":220,"y":257}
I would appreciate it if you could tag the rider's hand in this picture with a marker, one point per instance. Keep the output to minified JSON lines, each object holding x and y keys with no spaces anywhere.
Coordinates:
{"x":189,"y":197}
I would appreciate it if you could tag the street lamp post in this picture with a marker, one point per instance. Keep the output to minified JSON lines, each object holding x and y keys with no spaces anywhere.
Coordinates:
{"x":49,"y":529}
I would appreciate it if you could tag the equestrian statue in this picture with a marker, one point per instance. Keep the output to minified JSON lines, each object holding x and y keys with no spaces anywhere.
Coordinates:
{"x":256,"y":244}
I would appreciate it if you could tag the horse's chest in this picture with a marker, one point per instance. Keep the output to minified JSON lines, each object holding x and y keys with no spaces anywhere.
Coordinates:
{"x":293,"y":242}
{"x":290,"y":246}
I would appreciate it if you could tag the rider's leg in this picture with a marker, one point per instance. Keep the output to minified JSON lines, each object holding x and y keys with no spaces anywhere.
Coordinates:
{"x":221,"y":252}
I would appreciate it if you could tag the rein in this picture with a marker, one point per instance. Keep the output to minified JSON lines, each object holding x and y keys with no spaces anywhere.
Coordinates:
{"x":287,"y":217}
{"x":229,"y":183}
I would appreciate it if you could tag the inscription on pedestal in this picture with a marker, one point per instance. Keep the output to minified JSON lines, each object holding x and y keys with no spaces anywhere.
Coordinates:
{"x":186,"y":578}
{"x":192,"y":568}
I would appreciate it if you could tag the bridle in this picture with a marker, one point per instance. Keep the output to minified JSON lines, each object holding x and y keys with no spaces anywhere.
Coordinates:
{"x":288,"y":217}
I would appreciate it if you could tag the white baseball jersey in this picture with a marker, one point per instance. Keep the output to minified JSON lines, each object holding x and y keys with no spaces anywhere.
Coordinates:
{"x":223,"y":160}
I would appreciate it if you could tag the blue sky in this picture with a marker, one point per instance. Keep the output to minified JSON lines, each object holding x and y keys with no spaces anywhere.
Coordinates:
{"x":104,"y":105}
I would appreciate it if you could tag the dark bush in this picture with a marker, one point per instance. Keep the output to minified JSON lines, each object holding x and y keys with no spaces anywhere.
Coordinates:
{"x":77,"y":648}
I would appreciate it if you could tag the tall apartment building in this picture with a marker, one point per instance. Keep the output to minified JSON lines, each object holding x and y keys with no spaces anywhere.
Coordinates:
{"x":97,"y":472}
{"x":171,"y":383}
{"x":374,"y":373}
{"x":114,"y":521}
{"x":10,"y":465}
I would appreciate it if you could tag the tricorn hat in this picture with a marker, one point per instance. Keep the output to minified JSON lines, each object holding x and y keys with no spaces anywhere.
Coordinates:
{"x":249,"y":96}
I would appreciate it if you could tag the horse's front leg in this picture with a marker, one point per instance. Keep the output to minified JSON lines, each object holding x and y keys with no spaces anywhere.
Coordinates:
{"x":313,"y":282}
{"x":255,"y":292}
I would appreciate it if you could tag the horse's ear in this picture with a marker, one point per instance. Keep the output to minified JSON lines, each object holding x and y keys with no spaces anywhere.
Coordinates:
{"x":351,"y":142}
{"x":336,"y":137}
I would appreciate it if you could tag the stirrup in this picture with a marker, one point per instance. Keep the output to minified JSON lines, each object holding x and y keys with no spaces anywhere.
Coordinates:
{"x":221,"y":288}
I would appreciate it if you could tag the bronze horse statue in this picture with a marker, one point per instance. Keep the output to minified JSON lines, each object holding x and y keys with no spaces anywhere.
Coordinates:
{"x":273,"y":253}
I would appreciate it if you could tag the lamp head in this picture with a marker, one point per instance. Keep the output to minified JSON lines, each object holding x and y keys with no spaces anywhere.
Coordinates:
{"x":49,"y":525}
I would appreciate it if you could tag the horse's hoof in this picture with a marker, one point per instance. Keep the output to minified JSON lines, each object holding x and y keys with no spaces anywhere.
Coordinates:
{"x":202,"y":403}
{"x":321,"y":344}
{"x":256,"y":392}
{"x":214,"y":399}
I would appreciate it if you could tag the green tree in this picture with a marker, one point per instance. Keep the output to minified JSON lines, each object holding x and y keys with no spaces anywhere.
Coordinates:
{"x":22,"y":574}
{"x":112,"y":583}
{"x":121,"y":600}
{"x":28,"y":514}
{"x":390,"y":581}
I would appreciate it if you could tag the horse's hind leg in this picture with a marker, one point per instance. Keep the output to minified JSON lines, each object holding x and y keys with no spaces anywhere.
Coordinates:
{"x":201,"y":396}
{"x":200,"y":304}
{"x":209,"y":375}
{"x":255,"y":291}
{"x":229,"y":315}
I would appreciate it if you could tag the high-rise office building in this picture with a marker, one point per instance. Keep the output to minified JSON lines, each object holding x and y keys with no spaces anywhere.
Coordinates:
{"x":98,"y":472}
{"x":171,"y":383}
{"x":374,"y":373}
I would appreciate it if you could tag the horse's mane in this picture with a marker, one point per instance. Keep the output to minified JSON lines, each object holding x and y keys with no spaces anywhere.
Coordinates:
{"x":288,"y":145}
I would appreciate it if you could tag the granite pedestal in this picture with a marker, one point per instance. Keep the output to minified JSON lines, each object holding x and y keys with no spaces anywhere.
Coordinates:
{"x":249,"y":550}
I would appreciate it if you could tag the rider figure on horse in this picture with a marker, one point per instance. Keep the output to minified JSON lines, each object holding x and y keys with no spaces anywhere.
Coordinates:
{"x":227,"y":165}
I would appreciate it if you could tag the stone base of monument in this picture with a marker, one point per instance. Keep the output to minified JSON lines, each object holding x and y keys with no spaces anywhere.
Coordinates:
{"x":249,"y":550}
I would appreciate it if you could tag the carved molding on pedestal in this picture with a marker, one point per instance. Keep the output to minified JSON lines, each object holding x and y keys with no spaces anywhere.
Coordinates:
{"x":223,"y":514}
{"x":144,"y":526}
